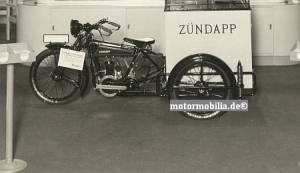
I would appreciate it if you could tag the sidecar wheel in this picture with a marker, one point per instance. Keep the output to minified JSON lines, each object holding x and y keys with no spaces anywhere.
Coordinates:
{"x":204,"y":73}
{"x":53,"y":84}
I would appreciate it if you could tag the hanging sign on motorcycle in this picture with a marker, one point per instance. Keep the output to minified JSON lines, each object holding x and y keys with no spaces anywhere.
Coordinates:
{"x":71,"y":59}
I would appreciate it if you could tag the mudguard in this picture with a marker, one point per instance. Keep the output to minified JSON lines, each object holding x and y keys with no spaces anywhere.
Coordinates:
{"x":84,"y":73}
{"x":194,"y":58}
{"x":84,"y":80}
{"x":56,"y":46}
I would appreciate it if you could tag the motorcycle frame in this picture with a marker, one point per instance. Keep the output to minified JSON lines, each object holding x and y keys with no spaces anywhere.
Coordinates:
{"x":159,"y":73}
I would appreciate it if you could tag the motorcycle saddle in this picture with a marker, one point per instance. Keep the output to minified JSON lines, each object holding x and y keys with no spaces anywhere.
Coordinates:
{"x":140,"y":42}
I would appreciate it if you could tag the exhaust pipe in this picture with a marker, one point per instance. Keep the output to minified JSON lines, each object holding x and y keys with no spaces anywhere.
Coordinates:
{"x":111,"y":87}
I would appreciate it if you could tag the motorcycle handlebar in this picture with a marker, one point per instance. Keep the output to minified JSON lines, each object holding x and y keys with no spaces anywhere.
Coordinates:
{"x":102,"y":21}
{"x":99,"y":25}
{"x":115,"y":25}
{"x":109,"y":31}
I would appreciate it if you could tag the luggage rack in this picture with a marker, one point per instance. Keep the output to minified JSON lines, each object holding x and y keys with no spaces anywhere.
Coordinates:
{"x":198,"y":5}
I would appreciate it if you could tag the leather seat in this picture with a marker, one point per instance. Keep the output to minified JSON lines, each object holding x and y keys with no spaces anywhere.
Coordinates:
{"x":140,"y":42}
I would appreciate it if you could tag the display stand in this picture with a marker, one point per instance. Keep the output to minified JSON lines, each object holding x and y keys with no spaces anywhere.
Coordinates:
{"x":10,"y":54}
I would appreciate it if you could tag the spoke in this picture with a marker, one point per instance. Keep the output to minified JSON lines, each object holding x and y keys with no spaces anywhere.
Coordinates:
{"x":216,"y":95}
{"x":69,"y":80}
{"x":63,"y":90}
{"x":191,"y":79}
{"x":207,"y":74}
{"x":50,"y":92}
{"x":187,"y":91}
{"x":56,"y":90}
{"x":210,"y":74}
{"x":47,"y":84}
{"x":201,"y":71}
{"x":199,"y":76}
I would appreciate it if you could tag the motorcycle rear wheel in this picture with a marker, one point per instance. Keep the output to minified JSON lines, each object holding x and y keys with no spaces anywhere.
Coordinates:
{"x":212,"y":76}
{"x":53,"y":84}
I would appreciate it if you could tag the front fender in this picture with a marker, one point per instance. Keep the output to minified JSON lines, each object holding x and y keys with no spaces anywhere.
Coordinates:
{"x":84,"y":79}
{"x":56,"y":46}
{"x":196,"y":57}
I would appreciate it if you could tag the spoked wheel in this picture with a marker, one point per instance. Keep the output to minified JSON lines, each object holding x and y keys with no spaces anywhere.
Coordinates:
{"x":202,"y":80}
{"x":51,"y":83}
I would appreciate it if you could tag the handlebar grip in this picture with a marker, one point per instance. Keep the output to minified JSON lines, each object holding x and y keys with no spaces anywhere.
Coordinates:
{"x":101,"y":21}
{"x":109,"y":31}
{"x":114,"y":24}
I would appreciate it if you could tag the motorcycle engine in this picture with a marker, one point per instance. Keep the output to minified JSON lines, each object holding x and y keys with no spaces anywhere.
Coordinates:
{"x":113,"y":67}
{"x":109,"y":67}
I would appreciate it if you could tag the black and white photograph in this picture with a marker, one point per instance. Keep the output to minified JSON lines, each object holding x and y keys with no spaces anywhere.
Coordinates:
{"x":150,"y":86}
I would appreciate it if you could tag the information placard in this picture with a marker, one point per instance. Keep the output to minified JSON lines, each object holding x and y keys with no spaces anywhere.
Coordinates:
{"x":71,"y":59}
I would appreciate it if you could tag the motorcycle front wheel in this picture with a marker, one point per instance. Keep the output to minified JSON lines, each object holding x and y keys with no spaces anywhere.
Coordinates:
{"x":202,"y":80}
{"x":53,"y":84}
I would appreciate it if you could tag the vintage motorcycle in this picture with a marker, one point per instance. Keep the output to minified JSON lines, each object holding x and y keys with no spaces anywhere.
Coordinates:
{"x":113,"y":68}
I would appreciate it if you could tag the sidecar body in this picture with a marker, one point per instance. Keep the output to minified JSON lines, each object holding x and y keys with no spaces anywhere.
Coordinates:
{"x":221,"y":29}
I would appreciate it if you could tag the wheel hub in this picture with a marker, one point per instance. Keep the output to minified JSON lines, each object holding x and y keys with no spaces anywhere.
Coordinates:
{"x":56,"y":75}
{"x":201,"y":84}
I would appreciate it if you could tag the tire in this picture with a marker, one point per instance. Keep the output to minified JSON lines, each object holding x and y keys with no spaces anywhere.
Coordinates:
{"x":213,"y":76}
{"x":53,"y":84}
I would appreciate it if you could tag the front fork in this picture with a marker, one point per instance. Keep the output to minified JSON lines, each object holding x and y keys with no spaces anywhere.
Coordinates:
{"x":95,"y":69}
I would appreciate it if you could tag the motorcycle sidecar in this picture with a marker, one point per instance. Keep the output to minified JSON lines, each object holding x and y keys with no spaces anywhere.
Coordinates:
{"x":206,"y":41}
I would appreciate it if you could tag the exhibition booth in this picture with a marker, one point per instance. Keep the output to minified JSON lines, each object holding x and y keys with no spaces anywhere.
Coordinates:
{"x":275,"y":23}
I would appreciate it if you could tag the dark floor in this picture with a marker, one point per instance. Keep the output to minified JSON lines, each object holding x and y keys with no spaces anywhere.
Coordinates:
{"x":140,"y":134}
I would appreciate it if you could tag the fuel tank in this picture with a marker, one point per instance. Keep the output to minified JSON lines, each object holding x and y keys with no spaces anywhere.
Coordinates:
{"x":110,"y":49}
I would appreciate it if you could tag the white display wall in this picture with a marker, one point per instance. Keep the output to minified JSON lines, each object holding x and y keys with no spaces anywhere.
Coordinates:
{"x":145,"y":2}
{"x":106,"y":2}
